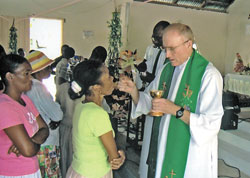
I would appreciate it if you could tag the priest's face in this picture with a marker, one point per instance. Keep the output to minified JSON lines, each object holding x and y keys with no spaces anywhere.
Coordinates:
{"x":178,"y":48}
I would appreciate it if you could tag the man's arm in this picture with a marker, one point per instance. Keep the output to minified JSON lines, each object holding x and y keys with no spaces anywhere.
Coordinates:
{"x":127,"y":85}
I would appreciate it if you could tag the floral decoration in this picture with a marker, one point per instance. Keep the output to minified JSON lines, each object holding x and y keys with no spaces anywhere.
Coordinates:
{"x":127,"y":60}
{"x":13,"y":39}
{"x":239,"y":66}
{"x":114,"y":44}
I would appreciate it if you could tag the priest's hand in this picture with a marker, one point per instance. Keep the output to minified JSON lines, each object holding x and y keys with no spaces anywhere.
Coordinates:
{"x":168,"y":107}
{"x":164,"y":105}
{"x":127,"y":85}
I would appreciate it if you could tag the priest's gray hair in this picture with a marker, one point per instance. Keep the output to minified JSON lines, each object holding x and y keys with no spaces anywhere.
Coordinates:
{"x":182,"y":29}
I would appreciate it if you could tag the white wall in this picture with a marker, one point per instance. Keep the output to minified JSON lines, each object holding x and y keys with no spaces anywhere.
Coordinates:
{"x":90,"y":19}
{"x":238,"y":39}
{"x":22,"y":32}
{"x":95,"y":21}
{"x":210,"y":28}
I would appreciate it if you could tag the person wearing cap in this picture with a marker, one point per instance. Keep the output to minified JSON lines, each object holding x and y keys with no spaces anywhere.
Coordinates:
{"x":50,"y":111}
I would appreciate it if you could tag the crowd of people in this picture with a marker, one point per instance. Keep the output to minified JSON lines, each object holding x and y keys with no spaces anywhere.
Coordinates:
{"x":37,"y":135}
{"x":73,"y":136}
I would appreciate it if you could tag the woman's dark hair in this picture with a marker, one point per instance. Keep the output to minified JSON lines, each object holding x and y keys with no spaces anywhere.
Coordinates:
{"x":2,"y":51}
{"x":99,"y":53}
{"x":10,"y":63}
{"x":85,"y":74}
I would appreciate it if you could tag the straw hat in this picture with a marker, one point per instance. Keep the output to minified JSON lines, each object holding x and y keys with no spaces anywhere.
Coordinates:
{"x":38,"y":61}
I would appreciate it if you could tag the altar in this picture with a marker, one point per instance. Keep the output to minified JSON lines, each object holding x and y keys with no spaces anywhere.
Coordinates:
{"x":237,"y":83}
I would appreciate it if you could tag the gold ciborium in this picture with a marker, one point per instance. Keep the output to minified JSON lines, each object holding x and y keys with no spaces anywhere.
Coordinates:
{"x":156,"y":94}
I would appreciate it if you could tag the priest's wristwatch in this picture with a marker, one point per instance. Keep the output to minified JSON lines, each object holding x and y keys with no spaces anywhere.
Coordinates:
{"x":179,"y":113}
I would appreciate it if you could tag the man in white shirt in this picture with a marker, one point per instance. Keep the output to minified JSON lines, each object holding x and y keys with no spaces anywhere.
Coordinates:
{"x":184,"y":140}
{"x":154,"y":57}
{"x":153,"y":61}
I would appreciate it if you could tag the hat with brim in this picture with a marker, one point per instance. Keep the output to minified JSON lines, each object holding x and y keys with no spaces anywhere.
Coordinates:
{"x":38,"y":61}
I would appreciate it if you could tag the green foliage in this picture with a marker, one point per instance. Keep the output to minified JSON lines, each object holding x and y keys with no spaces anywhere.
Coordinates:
{"x":13,"y":39}
{"x":114,"y":43}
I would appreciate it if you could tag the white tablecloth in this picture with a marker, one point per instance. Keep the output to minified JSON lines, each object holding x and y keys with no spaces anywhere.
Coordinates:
{"x":237,"y":83}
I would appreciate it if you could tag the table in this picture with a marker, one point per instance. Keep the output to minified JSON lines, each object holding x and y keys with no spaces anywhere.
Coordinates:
{"x":237,"y":83}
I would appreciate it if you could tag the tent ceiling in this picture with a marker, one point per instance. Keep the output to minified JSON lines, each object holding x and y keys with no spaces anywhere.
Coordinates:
{"x":210,"y":5}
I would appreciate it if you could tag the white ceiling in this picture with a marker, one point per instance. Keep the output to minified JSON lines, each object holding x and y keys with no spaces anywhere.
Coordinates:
{"x":28,"y":8}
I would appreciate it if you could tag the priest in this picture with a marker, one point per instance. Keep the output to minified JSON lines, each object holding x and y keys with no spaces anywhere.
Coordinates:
{"x":184,"y":141}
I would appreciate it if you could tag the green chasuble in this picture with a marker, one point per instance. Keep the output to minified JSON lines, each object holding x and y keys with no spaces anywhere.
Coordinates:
{"x":178,"y":137}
